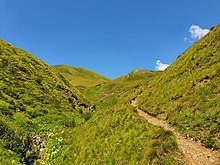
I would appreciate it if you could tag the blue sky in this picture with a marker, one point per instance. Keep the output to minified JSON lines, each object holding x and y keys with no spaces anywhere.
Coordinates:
{"x":111,"y":37}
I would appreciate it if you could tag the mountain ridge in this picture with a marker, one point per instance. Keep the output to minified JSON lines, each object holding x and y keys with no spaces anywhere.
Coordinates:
{"x":80,"y":78}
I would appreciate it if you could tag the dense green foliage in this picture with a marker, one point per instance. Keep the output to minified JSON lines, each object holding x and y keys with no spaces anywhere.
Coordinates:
{"x":34,"y":99}
{"x":187,"y":93}
{"x":79,"y":77}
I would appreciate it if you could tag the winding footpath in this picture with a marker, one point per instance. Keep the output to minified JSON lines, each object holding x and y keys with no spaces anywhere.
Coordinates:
{"x":194,"y":152}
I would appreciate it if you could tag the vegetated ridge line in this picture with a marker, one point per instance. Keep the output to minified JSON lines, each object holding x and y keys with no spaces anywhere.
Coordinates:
{"x":194,"y":152}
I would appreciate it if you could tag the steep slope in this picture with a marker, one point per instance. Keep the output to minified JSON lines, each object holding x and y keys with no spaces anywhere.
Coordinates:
{"x":116,"y":134}
{"x":194,"y":153}
{"x":79,"y":77}
{"x":187,"y":93}
{"x":34,"y":99}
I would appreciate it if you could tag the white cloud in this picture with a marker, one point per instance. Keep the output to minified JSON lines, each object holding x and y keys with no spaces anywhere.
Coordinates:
{"x":160,"y":65}
{"x":188,"y":40}
{"x":197,"y":32}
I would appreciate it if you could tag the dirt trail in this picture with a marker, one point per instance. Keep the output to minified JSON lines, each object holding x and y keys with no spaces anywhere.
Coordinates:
{"x":194,"y":152}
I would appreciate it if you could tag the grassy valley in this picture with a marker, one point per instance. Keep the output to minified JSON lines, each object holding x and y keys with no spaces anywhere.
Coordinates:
{"x":85,"y":118}
{"x":36,"y":100}
{"x":116,"y":134}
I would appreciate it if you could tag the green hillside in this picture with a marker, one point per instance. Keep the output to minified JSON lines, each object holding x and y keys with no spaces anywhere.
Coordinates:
{"x":66,"y":115}
{"x":34,"y":100}
{"x":128,"y":85}
{"x":187,"y":93}
{"x":79,"y":77}
{"x":116,"y":134}
{"x":37,"y":101}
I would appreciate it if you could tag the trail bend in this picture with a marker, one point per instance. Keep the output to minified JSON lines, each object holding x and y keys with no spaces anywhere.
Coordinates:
{"x":194,"y":152}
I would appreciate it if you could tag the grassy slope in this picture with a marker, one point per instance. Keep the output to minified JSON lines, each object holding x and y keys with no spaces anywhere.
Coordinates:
{"x":116,"y":134}
{"x":34,"y":99}
{"x":128,"y":85}
{"x":79,"y":77}
{"x":119,"y":136}
{"x":187,"y":93}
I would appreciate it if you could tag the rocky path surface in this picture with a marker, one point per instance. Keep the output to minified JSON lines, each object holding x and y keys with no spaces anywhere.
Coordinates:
{"x":194,"y":152}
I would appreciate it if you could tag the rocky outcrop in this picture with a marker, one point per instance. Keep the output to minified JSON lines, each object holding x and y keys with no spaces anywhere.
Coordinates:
{"x":36,"y":147}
